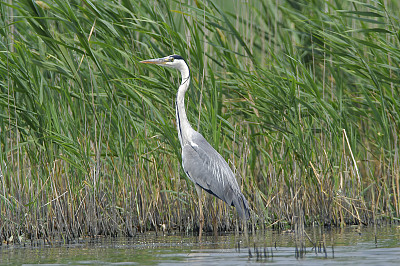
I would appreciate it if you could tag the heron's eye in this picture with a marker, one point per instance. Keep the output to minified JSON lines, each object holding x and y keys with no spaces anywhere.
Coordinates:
{"x":171,"y":59}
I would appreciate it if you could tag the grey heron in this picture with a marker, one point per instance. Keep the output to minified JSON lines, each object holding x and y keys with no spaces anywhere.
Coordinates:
{"x":201,"y":162}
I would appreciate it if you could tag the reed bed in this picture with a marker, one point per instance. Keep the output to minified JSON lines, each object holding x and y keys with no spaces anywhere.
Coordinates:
{"x":301,"y":98}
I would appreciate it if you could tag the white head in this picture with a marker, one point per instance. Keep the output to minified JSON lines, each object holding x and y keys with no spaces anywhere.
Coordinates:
{"x":173,"y":61}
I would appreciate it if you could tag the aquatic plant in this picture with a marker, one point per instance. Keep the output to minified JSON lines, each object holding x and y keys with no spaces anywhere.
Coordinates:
{"x":301,"y":98}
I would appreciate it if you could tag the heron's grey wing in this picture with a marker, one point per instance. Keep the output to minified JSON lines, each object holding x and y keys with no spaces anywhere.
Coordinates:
{"x":208,"y":169}
{"x":205,"y":169}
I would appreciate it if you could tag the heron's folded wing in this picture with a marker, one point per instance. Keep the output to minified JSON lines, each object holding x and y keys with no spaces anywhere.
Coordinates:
{"x":206,"y":167}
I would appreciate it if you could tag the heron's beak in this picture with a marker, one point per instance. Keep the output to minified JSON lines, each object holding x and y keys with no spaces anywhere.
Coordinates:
{"x":157,"y":61}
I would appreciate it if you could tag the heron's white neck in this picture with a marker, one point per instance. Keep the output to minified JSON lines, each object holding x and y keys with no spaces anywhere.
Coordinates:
{"x":182,"y":123}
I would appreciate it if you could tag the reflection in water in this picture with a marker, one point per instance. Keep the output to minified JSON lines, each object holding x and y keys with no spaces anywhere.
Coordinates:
{"x":345,"y":246}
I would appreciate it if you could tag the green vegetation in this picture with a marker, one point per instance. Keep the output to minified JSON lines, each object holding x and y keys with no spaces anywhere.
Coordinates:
{"x":301,"y":98}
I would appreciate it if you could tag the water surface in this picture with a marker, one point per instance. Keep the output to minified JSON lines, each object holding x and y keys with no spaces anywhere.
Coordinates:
{"x":350,"y":245}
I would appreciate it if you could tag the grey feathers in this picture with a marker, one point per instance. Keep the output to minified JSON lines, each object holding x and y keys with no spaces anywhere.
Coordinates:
{"x":206,"y":168}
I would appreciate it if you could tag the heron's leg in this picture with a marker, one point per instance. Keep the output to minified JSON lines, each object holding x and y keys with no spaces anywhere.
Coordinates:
{"x":246,"y":233}
{"x":215,"y":222}
{"x":201,"y":222}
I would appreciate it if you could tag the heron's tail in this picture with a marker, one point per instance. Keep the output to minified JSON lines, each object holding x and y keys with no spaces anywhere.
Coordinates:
{"x":242,"y":206}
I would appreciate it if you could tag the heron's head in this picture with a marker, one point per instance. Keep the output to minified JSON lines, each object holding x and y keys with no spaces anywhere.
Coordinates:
{"x":173,"y":61}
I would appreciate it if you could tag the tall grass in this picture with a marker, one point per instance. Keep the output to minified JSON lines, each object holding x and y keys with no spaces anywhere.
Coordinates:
{"x":301,"y":98}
